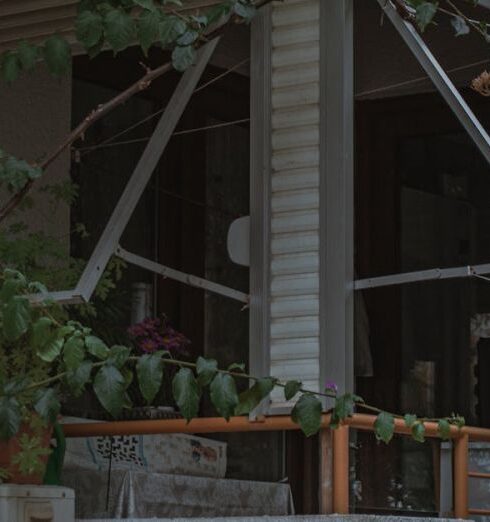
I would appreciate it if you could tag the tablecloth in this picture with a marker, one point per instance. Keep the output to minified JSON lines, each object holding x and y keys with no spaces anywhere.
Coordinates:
{"x":132,"y":494}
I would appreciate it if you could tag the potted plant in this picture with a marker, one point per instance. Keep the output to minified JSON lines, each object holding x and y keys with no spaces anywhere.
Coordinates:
{"x":44,"y":358}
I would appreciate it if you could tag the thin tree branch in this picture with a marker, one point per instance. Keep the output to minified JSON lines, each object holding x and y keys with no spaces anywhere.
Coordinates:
{"x":101,"y":111}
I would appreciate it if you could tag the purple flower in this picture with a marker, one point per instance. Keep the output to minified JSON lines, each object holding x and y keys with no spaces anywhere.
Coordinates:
{"x":148,"y":346}
{"x":332,"y":387}
{"x":157,"y":334}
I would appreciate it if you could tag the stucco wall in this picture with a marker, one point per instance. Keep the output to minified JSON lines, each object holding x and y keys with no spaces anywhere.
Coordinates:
{"x":35,"y":116}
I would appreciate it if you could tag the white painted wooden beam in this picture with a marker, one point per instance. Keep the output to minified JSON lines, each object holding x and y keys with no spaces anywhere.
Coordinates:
{"x":337,"y":195}
{"x":182,"y":277}
{"x":126,"y":205}
{"x":423,"y":275}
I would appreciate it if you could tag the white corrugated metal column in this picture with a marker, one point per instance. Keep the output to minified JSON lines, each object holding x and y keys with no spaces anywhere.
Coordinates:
{"x":295,"y":193}
{"x":304,"y":171}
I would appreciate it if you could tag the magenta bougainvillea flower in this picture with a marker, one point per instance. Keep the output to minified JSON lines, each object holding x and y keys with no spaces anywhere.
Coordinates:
{"x":331,"y":386}
{"x":155,"y":334}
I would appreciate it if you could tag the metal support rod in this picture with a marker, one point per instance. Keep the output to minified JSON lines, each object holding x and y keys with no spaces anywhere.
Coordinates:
{"x":440,"y":79}
{"x":479,"y":512}
{"x":187,"y":279}
{"x":422,"y":275}
{"x":479,"y":475}
{"x":461,"y":476}
{"x":341,"y":470}
{"x":141,"y":176}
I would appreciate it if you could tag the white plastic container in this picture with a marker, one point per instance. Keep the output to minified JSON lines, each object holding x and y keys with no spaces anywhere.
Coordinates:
{"x":20,"y":503}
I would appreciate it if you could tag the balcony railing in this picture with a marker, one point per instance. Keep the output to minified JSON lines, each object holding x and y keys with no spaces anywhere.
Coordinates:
{"x":335,"y":450}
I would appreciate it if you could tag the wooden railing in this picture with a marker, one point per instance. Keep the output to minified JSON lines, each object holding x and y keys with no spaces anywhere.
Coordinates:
{"x":335,"y":450}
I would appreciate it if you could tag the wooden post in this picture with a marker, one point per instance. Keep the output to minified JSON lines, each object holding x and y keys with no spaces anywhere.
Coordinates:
{"x":341,"y":470}
{"x":461,"y":476}
{"x":325,"y":472}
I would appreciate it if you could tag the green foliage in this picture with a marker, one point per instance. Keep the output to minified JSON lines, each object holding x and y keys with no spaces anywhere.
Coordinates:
{"x":4,"y":475}
{"x":29,"y":459}
{"x":236,"y":367}
{"x":28,"y":55}
{"x":244,"y":9}
{"x":344,"y":407}
{"x":171,"y":27}
{"x":10,"y":416}
{"x":224,"y":394}
{"x":410,"y":420}
{"x":291,"y":389}
{"x":444,"y":429}
{"x":11,"y":66}
{"x":109,"y":386}
{"x":16,"y":173}
{"x":384,"y":427}
{"x":307,"y":412}
{"x":96,"y":347}
{"x":89,"y":27}
{"x":57,"y":55}
{"x":78,"y":378}
{"x":16,"y":317}
{"x":119,"y":29}
{"x":117,"y":24}
{"x":187,"y":393}
{"x":206,"y":370}
{"x":424,"y":12}
{"x":146,"y":4}
{"x":251,"y":398}
{"x":148,"y":27}
{"x":183,"y":57}
{"x":118,"y":356}
{"x":150,"y":375}
{"x":47,"y":404}
{"x":74,"y":352}
{"x":418,"y":431}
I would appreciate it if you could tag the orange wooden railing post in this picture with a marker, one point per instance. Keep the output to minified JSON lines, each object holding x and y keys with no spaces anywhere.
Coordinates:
{"x":461,"y":476}
{"x":326,"y":471}
{"x":341,"y":470}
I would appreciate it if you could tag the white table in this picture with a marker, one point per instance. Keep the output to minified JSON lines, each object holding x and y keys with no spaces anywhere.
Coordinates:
{"x":142,"y":495}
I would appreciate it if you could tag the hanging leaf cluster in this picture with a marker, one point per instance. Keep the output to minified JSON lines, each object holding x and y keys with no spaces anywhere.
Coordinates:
{"x":118,"y":24}
{"x":16,"y":173}
{"x":425,"y":12}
